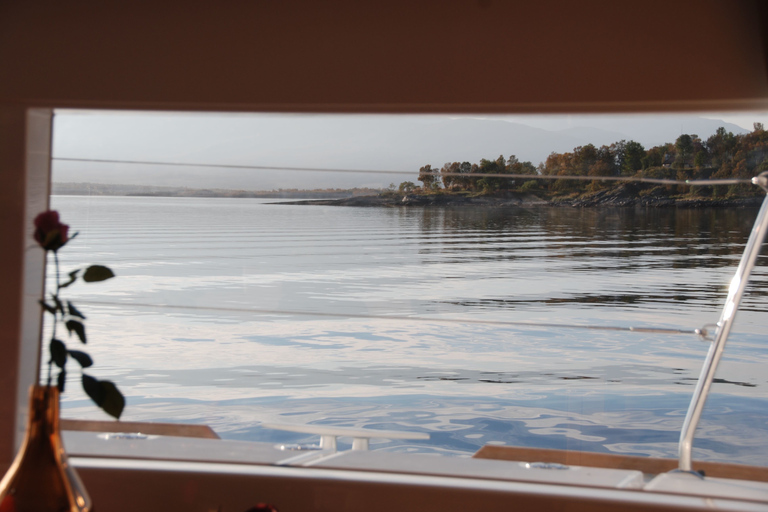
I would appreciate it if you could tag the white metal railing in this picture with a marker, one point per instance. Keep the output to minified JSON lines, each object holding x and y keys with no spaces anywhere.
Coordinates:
{"x":735,"y":294}
{"x":328,"y":435}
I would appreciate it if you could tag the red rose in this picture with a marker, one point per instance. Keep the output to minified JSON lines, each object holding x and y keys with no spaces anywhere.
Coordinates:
{"x":50,"y":233}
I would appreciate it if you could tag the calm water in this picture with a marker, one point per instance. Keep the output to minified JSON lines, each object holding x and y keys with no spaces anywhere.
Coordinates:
{"x":234,"y":312}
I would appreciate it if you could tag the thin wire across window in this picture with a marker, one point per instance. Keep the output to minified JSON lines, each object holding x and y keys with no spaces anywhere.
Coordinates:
{"x":658,"y":181}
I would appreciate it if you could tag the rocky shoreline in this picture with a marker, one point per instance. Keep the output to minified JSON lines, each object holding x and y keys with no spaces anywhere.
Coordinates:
{"x":616,"y":197}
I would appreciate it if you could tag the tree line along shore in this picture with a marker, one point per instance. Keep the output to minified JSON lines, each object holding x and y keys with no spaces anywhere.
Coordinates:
{"x":721,"y":156}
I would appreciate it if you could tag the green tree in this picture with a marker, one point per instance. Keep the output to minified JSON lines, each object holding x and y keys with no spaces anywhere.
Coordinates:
{"x":684,"y":146}
{"x":606,"y":158}
{"x":584,"y":157}
{"x":428,"y":177}
{"x":515,"y":166}
{"x":721,"y":147}
{"x":464,"y":181}
{"x":449,"y":175}
{"x":491,"y":183}
{"x":619,"y":150}
{"x":700,"y":159}
{"x":653,"y":157}
{"x":634,"y":152}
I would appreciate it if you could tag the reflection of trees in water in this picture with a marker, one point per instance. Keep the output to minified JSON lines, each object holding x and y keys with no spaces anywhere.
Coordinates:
{"x":595,"y":241}
{"x":716,"y":233}
{"x":626,"y":300}
{"x":479,"y":221}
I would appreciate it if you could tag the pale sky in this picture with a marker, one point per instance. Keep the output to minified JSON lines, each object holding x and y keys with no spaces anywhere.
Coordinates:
{"x":744,"y":120}
{"x":368,"y":142}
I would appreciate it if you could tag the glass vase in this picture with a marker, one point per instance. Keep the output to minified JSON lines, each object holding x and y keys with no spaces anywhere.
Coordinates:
{"x":40,"y":478}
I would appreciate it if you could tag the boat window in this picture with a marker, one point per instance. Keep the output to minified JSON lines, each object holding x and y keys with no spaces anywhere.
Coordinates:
{"x":419,"y":274}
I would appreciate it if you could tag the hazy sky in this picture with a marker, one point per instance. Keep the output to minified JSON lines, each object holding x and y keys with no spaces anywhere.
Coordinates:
{"x":360,"y":142}
{"x":744,"y":120}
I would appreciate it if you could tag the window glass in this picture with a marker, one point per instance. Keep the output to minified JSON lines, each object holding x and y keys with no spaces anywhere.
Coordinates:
{"x":427,"y":293}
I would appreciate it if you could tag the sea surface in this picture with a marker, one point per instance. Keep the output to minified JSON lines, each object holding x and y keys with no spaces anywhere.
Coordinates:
{"x":475,"y":325}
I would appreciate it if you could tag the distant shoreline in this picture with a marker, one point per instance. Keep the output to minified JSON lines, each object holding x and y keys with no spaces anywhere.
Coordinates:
{"x":621,"y":196}
{"x":100,"y":189}
{"x":515,"y":200}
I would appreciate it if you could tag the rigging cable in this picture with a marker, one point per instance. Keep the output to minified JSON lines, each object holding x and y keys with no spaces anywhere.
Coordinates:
{"x":703,"y":332}
{"x":438,"y":174}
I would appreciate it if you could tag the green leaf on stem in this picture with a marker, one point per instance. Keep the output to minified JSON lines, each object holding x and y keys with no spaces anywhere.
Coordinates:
{"x":105,"y":394}
{"x":77,"y":327}
{"x":72,"y":278}
{"x":82,"y":358}
{"x":61,"y":380}
{"x":58,"y":352}
{"x":73,"y":311}
{"x":47,"y":307}
{"x":59,"y":305}
{"x":114,"y":401}
{"x":92,"y":389}
{"x":96,"y":273}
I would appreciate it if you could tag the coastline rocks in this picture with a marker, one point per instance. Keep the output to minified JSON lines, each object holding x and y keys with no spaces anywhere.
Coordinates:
{"x":628,"y":195}
{"x":621,"y":197}
{"x":424,"y":200}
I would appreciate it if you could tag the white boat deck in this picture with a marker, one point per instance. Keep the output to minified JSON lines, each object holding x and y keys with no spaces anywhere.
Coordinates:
{"x":225,"y":475}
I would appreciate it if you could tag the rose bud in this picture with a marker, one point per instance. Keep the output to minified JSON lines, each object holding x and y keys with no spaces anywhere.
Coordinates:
{"x":50,"y":233}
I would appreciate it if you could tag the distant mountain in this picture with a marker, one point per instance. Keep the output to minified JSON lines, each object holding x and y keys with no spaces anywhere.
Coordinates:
{"x":658,"y":129}
{"x":395,"y":143}
{"x":595,"y":136}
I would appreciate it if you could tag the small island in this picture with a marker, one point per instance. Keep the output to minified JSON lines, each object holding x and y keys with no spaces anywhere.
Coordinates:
{"x":618,"y":196}
{"x":722,"y":156}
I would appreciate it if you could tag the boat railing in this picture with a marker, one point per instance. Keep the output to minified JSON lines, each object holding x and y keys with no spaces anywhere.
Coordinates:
{"x":735,"y":294}
{"x":328,"y":435}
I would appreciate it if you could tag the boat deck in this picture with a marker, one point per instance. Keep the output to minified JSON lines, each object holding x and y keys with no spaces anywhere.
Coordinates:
{"x":171,"y":473}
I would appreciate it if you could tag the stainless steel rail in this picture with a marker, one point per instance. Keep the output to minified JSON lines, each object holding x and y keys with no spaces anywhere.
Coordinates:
{"x":735,"y":293}
{"x":329,"y":433}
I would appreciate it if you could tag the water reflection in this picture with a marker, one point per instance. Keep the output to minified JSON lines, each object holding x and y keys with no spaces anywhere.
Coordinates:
{"x":614,"y":245}
{"x":217,"y":317}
